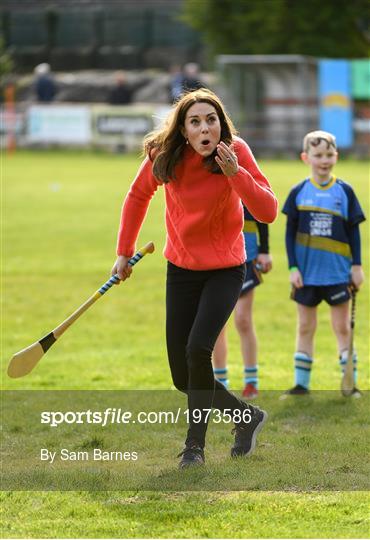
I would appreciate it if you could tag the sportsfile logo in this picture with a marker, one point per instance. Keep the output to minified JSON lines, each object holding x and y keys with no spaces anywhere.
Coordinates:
{"x":107,"y":417}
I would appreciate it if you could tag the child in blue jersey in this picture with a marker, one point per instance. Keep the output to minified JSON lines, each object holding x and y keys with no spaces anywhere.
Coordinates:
{"x":258,"y":260}
{"x":324,"y":252}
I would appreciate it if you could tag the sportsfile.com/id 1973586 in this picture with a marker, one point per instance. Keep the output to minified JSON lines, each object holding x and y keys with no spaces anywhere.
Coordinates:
{"x":112,"y":415}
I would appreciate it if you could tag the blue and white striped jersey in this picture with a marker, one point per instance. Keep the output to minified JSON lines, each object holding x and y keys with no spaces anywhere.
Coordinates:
{"x":322,"y":218}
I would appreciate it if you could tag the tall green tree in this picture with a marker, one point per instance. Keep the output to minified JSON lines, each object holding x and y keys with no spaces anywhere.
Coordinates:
{"x":6,"y":63}
{"x":326,"y":28}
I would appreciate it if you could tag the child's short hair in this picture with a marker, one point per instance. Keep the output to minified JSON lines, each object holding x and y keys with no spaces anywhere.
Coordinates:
{"x":314,"y":138}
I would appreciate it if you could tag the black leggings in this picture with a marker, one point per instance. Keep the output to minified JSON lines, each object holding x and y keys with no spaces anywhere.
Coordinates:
{"x":198,"y":305}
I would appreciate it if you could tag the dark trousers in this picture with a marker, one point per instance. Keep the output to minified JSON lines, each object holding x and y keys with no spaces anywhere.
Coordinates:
{"x":198,"y":305}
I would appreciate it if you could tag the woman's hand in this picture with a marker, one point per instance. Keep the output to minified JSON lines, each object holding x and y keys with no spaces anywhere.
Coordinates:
{"x":121,"y":268}
{"x":226,"y":159}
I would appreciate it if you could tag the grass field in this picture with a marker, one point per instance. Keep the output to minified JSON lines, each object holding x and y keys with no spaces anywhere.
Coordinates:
{"x":60,"y":216}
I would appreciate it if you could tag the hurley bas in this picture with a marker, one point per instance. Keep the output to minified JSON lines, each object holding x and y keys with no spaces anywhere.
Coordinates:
{"x":96,"y":455}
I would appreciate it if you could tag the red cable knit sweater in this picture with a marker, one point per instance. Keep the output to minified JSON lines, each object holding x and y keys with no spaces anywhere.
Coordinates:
{"x":204,"y":215}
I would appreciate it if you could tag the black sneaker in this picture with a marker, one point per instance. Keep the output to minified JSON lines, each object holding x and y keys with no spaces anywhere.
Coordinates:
{"x":192,"y":455}
{"x":246,"y":434}
{"x":297,"y":390}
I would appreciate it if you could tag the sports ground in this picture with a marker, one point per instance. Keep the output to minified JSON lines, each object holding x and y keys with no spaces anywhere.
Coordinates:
{"x":60,"y":217}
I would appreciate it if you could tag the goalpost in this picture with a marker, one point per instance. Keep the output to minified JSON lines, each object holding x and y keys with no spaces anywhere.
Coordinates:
{"x":273,"y":99}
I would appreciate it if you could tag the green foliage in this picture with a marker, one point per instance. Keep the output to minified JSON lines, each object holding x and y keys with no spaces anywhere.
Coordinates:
{"x":334,"y":28}
{"x":6,"y":62}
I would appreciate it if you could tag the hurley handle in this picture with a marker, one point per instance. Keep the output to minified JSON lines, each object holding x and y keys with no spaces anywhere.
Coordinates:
{"x":148,"y":248}
{"x":353,"y":308}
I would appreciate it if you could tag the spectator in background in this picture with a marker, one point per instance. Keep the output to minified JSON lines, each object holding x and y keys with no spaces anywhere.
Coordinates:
{"x":176,"y":83}
{"x":184,"y":80}
{"x":120,"y":94}
{"x":191,"y":78}
{"x":45,"y":86}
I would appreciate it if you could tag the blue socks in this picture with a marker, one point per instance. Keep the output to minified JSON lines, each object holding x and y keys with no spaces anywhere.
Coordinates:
{"x":221,"y":376}
{"x":251,"y":376}
{"x":302,"y":369}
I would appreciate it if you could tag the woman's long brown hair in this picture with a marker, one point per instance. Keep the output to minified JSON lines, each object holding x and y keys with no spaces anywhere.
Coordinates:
{"x":165,"y":146}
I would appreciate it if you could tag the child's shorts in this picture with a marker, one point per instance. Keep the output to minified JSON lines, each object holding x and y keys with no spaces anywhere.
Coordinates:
{"x":310,"y":295}
{"x":252,"y":278}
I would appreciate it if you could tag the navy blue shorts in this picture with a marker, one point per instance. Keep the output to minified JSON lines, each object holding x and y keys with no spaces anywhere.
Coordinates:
{"x":252,"y":278}
{"x":310,"y":295}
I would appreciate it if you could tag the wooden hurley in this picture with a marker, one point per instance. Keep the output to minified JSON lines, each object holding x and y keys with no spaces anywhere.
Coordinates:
{"x":25,"y":360}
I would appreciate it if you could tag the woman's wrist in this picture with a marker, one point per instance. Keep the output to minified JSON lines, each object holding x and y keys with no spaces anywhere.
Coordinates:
{"x":234,"y":173}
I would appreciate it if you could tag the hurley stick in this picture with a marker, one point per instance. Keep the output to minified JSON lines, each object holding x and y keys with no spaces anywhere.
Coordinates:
{"x":25,"y":360}
{"x":348,"y":382}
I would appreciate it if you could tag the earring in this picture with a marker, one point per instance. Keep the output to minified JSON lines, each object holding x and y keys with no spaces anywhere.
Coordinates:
{"x":187,"y":142}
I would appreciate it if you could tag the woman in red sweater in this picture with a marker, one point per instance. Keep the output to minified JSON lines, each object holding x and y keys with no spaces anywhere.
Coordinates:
{"x":206,"y":172}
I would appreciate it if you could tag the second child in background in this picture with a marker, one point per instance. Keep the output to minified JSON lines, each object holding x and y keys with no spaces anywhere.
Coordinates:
{"x":256,"y":236}
{"x":324,"y":253}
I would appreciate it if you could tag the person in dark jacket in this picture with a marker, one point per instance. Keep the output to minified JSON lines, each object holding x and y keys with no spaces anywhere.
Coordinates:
{"x":120,"y":94}
{"x":45,"y":87}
